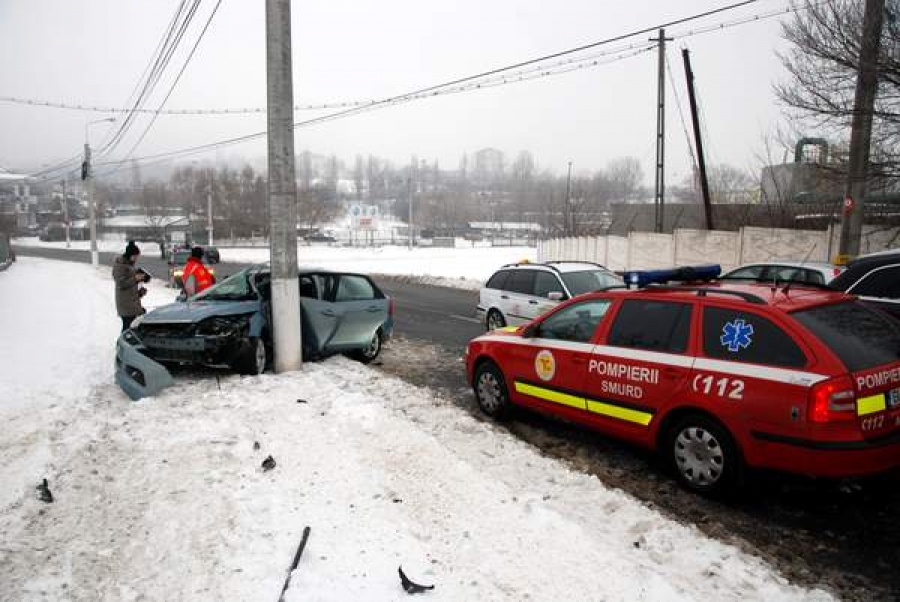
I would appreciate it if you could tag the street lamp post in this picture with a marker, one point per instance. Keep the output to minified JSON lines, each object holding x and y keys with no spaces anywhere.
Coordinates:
{"x":89,"y":181}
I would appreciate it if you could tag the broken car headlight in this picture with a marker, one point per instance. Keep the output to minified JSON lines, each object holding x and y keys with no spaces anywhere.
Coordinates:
{"x":223,"y":325}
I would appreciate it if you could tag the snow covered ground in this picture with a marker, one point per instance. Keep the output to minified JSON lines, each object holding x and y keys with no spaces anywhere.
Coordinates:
{"x":165,"y":499}
{"x":463,"y":267}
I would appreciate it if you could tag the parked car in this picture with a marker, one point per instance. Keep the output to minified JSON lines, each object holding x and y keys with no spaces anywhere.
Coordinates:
{"x":875,"y":278}
{"x":809,"y":272}
{"x":714,"y":376}
{"x":229,"y":326}
{"x":519,"y":292}
{"x":177,"y":260}
{"x":211,"y":254}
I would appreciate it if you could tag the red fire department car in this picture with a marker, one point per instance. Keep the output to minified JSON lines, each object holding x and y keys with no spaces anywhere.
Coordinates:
{"x":715,"y":376}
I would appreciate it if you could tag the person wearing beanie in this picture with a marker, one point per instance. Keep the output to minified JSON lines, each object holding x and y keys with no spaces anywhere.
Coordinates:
{"x":196,"y":277}
{"x":127,"y":282}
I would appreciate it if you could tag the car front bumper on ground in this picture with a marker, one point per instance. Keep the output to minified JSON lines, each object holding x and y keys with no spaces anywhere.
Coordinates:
{"x":138,"y":375}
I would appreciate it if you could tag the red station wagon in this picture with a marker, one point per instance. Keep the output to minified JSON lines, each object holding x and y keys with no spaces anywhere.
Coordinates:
{"x":715,"y":376}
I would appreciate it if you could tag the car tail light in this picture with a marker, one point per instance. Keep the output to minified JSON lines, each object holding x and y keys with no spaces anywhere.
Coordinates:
{"x":833,"y":400}
{"x":391,"y":307}
{"x":836,"y":272}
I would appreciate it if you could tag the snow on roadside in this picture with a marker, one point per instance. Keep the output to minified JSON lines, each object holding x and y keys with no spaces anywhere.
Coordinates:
{"x":165,"y":499}
{"x":462,"y":267}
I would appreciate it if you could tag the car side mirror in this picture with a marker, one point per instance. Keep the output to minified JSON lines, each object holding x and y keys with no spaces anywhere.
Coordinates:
{"x":555,"y":295}
{"x":531,"y":331}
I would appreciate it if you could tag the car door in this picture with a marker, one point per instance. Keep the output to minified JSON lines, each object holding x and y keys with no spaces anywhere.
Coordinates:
{"x":515,"y":301}
{"x":751,"y":370}
{"x":644,"y":361}
{"x":359,"y":312}
{"x":319,"y":318}
{"x":548,"y":372}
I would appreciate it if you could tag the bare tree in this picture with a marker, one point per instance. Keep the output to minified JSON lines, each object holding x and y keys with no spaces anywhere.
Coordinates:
{"x":728,"y":184}
{"x":625,"y":176}
{"x":822,"y":67}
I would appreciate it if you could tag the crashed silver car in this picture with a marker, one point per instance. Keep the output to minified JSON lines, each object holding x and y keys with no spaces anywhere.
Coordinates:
{"x":229,"y":326}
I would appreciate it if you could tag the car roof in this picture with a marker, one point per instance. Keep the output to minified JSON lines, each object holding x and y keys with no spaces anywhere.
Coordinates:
{"x":813,"y":265}
{"x":753,"y":294}
{"x":563,"y":267}
{"x":861,"y":266}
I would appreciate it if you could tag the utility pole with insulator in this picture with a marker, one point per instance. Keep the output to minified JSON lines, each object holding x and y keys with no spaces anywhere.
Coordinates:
{"x":92,"y":211}
{"x":209,"y":211}
{"x":659,"y":198}
{"x":65,"y":211}
{"x":286,"y":333}
{"x":861,"y":129}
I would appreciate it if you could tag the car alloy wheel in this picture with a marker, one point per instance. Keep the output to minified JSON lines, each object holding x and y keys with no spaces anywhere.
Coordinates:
{"x":490,"y":390}
{"x":704,"y":455}
{"x":374,"y":348}
{"x":495,"y":320}
{"x":259,"y":356}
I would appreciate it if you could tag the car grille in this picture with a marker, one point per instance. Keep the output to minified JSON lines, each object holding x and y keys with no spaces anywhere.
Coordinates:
{"x":166,"y":330}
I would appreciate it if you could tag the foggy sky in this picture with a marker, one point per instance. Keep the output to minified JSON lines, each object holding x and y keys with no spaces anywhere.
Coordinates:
{"x":93,"y":52}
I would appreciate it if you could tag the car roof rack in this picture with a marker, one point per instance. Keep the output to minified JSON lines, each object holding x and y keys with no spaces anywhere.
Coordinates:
{"x":550,"y":264}
{"x":703,"y":291}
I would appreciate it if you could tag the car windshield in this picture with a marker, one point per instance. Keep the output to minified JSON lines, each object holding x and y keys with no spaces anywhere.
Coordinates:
{"x":862,"y":337}
{"x":233,"y":288}
{"x":589,"y":280}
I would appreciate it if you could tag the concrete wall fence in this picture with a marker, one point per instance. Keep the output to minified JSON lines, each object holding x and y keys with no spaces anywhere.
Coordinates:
{"x":647,"y":250}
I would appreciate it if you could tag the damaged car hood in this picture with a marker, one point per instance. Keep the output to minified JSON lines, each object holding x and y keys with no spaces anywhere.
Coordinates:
{"x":188,"y":312}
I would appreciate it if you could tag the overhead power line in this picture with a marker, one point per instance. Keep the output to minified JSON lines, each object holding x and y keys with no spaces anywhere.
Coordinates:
{"x":340,"y":104}
{"x":457,"y":85}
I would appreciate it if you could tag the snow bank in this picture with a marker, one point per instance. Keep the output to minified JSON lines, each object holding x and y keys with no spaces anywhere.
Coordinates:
{"x":165,"y":499}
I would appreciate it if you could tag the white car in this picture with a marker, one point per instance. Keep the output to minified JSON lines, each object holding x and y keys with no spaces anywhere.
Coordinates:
{"x":810,"y":272}
{"x":519,"y":292}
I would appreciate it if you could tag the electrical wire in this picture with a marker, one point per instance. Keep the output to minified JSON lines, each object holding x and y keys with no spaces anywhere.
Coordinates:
{"x":172,"y":87}
{"x":468,"y":82}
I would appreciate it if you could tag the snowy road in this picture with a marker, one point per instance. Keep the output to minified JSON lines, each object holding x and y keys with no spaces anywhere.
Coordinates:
{"x":164,"y":499}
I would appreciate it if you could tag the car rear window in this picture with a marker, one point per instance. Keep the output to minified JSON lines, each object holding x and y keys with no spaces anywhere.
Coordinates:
{"x":589,"y":280}
{"x":860,"y":336}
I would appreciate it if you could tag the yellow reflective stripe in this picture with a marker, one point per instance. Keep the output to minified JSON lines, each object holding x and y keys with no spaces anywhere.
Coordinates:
{"x":870,"y":405}
{"x":606,"y":409}
{"x":550,"y":395}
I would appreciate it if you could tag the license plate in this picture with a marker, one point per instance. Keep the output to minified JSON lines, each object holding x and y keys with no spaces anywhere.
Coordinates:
{"x":893,"y":398}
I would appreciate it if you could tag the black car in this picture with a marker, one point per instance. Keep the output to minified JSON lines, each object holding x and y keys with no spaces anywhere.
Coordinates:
{"x":875,"y":278}
{"x":211,"y":254}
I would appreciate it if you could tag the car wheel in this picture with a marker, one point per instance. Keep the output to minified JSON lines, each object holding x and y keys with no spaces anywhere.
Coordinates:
{"x":704,"y":455}
{"x":252,"y":358}
{"x":494,"y":320}
{"x":490,"y":390}
{"x":368,"y":354}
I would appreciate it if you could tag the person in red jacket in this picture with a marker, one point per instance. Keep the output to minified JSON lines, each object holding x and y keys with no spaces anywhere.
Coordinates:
{"x":196,"y":277}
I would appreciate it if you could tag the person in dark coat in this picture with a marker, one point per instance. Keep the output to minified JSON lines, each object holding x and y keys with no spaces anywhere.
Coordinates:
{"x":128,"y":289}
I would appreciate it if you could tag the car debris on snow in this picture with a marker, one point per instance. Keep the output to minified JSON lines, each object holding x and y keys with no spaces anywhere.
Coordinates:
{"x":46,"y":494}
{"x":296,"y":561}
{"x":268,"y":464}
{"x":410,"y":587}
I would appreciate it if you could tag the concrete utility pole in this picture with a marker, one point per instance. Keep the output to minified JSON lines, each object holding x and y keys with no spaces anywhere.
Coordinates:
{"x":861,"y":128}
{"x":409,"y":222}
{"x":209,"y":214}
{"x":65,"y":210}
{"x":567,"y":212}
{"x":88,"y":178}
{"x":659,"y":199}
{"x":287,"y":336}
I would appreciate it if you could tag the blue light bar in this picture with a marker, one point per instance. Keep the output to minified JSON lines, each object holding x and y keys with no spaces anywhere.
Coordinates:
{"x":690,"y":273}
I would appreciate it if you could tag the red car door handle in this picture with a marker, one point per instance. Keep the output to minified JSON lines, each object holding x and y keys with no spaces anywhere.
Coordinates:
{"x":579,"y":360}
{"x":673,"y":372}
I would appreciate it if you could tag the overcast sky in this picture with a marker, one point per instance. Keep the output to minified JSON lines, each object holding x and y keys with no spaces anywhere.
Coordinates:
{"x":93,"y":52}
